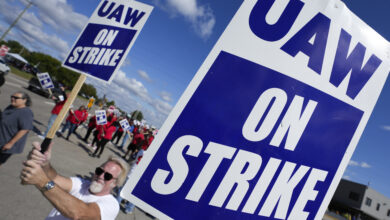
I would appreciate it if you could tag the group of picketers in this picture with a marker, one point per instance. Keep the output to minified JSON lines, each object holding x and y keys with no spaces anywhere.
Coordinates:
{"x":140,"y":135}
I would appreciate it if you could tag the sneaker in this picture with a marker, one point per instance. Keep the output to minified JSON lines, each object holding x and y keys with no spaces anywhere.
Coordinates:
{"x":41,"y":137}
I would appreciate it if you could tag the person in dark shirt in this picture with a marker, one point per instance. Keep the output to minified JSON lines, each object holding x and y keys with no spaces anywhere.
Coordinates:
{"x":15,"y":122}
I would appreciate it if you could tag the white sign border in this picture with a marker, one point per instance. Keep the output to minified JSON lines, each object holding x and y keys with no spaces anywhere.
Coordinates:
{"x":188,"y":93}
{"x":146,"y":8}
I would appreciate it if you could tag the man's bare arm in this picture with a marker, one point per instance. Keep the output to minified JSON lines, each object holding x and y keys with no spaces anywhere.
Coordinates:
{"x":68,"y":205}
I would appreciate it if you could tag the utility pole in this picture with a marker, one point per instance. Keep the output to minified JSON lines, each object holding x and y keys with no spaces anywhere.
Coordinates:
{"x":16,"y":20}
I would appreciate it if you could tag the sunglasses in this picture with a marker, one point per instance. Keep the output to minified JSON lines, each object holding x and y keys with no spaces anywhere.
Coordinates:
{"x":16,"y":97}
{"x":107,"y":176}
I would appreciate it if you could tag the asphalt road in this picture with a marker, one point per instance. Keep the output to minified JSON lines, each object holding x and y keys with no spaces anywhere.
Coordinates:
{"x":69,"y":158}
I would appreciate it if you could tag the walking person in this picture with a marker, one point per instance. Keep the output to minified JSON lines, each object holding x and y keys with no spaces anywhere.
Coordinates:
{"x":15,"y":123}
{"x":128,"y":134}
{"x":60,"y":102}
{"x":105,"y":134}
{"x":83,"y":118}
{"x":136,"y":143}
{"x":73,"y":120}
{"x":91,"y":126}
{"x":118,"y":134}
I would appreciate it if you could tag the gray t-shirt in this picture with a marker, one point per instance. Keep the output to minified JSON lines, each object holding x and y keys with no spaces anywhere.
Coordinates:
{"x":13,"y":120}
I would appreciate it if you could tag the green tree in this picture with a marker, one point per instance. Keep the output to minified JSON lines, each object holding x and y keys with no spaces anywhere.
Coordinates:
{"x":15,"y":46}
{"x":137,"y":115}
{"x":112,"y":102}
{"x":88,"y":90}
{"x":44,"y":62}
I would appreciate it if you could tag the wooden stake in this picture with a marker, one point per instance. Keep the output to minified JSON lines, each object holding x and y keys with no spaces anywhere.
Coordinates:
{"x":50,"y":92}
{"x":70,"y":99}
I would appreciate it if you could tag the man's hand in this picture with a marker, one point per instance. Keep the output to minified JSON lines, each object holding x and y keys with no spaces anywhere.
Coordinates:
{"x":38,"y":157}
{"x":7,"y":146}
{"x":32,"y":174}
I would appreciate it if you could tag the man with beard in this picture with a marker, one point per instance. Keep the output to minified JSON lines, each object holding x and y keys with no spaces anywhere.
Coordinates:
{"x":76,"y":198}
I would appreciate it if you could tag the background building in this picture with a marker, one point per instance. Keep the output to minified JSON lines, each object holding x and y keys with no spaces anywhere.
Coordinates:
{"x":358,"y":201}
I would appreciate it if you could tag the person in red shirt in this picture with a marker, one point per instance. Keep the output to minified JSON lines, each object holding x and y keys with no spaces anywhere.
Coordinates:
{"x":118,"y":134}
{"x":91,"y":126}
{"x":104,"y":136}
{"x":136,"y":143}
{"x":60,"y":101}
{"x":73,"y":120}
{"x":83,"y":118}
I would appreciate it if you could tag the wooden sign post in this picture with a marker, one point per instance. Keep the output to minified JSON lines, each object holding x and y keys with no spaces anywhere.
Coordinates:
{"x":94,"y":33}
{"x":72,"y":96}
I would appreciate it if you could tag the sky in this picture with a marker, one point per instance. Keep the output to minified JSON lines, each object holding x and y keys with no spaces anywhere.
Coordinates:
{"x":168,"y":52}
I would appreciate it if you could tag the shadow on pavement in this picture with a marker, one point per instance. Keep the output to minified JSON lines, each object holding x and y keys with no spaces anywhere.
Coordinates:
{"x":85,"y":148}
{"x":38,"y":122}
{"x":36,"y":130}
{"x":115,"y":152}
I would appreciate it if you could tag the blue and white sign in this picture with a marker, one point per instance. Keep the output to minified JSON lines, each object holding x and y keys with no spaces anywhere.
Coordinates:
{"x":107,"y":38}
{"x":125,"y":124}
{"x":269,"y":123}
{"x":45,"y":80}
{"x":101,"y":117}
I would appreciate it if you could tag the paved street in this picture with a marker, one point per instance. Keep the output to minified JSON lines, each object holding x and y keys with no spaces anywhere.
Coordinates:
{"x":70,"y":158}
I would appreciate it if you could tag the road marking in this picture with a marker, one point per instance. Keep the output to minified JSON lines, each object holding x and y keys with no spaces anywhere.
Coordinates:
{"x":13,"y":84}
{"x":50,"y":103}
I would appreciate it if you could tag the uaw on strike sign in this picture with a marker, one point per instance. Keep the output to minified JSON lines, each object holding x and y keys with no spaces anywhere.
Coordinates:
{"x":267,"y":126}
{"x":107,"y":38}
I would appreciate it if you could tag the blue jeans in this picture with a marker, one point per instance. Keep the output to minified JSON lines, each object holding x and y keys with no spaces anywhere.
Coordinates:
{"x":52,"y":118}
{"x":70,"y":126}
{"x":124,"y":140}
{"x":129,"y":207}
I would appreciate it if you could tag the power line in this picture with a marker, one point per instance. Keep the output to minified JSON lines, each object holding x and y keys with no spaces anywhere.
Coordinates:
{"x":16,"y":20}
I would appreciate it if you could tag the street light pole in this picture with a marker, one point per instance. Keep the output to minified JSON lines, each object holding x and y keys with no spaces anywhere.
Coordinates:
{"x":16,"y":21}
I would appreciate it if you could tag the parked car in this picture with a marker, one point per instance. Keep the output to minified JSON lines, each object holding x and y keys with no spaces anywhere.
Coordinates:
{"x":35,"y":86}
{"x":4,"y":70}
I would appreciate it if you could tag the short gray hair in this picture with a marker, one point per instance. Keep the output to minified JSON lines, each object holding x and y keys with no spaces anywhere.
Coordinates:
{"x":124,"y":168}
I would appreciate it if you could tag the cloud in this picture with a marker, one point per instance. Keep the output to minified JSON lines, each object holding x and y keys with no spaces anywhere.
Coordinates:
{"x":166,"y":96}
{"x":130,"y":94}
{"x":386,"y":127}
{"x":353,"y":163}
{"x":365,"y":165}
{"x":201,"y":17}
{"x":60,"y":15}
{"x":30,"y":28}
{"x":144,"y":75}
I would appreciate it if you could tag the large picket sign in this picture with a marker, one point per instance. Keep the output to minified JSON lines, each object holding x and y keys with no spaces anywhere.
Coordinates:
{"x":267,"y":126}
{"x":106,"y":40}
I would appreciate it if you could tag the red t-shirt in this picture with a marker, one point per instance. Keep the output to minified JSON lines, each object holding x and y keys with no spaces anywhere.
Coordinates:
{"x":57,"y":108}
{"x":92,"y":122}
{"x":108,"y":131}
{"x":75,"y":118}
{"x":85,"y":116}
{"x":138,"y":138}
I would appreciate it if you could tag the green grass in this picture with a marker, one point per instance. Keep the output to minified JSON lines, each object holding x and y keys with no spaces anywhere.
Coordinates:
{"x":21,"y":73}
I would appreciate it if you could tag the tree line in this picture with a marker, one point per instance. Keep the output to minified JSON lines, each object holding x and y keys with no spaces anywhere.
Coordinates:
{"x":47,"y":63}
